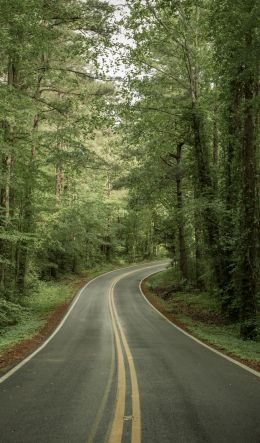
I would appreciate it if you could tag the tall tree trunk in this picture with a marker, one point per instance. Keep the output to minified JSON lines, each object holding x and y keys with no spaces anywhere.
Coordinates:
{"x":6,"y":163}
{"x":248,"y":268}
{"x":5,"y":214}
{"x":206,"y":192}
{"x":26,"y":219}
{"x":229,"y":305}
{"x":206,"y":188}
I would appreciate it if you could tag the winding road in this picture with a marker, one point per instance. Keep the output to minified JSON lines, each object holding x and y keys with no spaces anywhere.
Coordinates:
{"x":116,"y":371}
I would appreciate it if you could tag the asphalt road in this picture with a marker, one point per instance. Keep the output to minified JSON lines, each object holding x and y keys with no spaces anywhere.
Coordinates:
{"x":116,"y":371}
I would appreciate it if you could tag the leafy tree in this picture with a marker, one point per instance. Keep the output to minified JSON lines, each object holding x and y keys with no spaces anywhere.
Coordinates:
{"x":190,"y":110}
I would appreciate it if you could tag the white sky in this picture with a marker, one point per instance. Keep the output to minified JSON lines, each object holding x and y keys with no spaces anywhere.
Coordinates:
{"x":113,"y":57}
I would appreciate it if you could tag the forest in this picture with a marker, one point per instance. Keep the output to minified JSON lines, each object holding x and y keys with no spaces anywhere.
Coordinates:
{"x":129,"y":131}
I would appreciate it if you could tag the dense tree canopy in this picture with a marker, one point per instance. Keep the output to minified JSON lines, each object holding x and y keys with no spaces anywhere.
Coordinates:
{"x":165,"y":159}
{"x":190,"y":120}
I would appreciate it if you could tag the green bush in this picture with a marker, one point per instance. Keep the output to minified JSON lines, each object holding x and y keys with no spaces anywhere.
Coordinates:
{"x":10,"y":313}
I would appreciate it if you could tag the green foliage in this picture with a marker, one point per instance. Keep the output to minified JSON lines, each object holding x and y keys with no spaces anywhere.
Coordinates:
{"x":93,"y":171}
{"x":10,"y":313}
{"x":164,"y":280}
{"x":225,"y":338}
{"x":22,"y":322}
{"x":190,"y":129}
{"x":53,"y":200}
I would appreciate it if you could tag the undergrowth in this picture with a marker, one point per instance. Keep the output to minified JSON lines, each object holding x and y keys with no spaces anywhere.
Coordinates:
{"x":22,"y":321}
{"x":200,"y":313}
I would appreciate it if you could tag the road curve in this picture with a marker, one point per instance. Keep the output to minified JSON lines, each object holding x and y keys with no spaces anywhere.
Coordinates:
{"x":117,"y":372}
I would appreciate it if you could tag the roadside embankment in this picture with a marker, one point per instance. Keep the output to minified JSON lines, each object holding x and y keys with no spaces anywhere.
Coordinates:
{"x":198,"y":313}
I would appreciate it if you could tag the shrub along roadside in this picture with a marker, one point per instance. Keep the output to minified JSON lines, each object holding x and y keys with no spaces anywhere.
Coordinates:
{"x":198,"y":313}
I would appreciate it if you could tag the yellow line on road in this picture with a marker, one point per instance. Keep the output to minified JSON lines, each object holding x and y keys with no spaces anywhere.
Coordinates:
{"x":136,"y":411}
{"x":117,"y":426}
{"x":118,"y":421}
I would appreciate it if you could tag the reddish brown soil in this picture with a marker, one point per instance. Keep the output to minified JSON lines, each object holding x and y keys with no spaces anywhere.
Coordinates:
{"x":196,"y":313}
{"x":18,"y":352}
{"x":156,"y":302}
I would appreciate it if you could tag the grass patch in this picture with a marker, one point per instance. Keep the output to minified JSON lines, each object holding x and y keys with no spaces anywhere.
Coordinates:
{"x":225,"y":338}
{"x":199,"y":312}
{"x":164,"y":279}
{"x":28,"y":318}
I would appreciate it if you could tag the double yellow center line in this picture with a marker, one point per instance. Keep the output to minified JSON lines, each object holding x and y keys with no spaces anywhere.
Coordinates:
{"x":115,"y":433}
{"x":121,"y":342}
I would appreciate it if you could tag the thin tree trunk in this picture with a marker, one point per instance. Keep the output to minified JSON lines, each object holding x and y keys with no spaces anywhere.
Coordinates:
{"x":215,"y":143}
{"x":206,"y":187}
{"x":198,"y":234}
{"x":181,"y":233}
{"x":12,"y":80}
{"x":59,"y":177}
{"x":215,"y":139}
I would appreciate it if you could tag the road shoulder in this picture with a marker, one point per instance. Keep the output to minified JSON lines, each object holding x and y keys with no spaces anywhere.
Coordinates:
{"x":161,"y":306}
